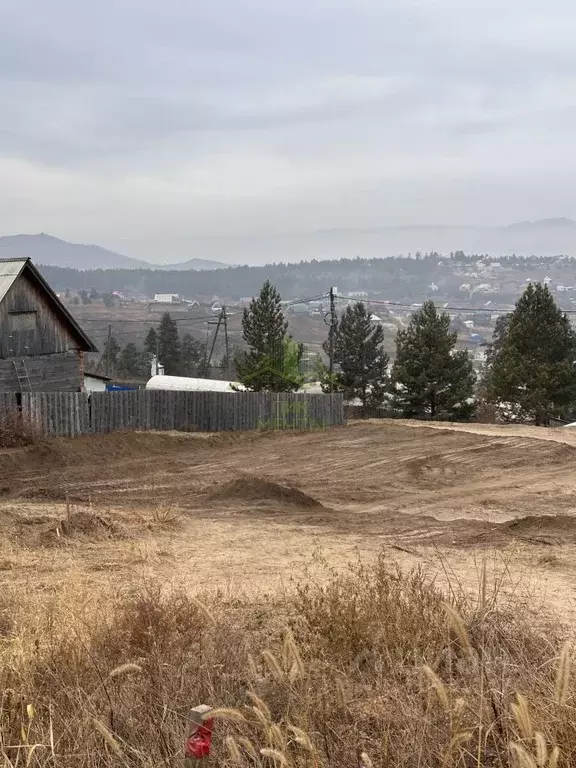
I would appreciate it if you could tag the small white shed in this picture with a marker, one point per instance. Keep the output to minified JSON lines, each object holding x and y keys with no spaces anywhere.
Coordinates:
{"x":94,"y":382}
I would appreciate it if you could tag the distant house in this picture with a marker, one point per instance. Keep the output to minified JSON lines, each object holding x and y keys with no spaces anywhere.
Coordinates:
{"x":167,"y":298}
{"x":41,"y":345}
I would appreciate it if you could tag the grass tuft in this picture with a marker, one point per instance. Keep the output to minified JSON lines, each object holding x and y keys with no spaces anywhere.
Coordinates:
{"x":368,"y":667}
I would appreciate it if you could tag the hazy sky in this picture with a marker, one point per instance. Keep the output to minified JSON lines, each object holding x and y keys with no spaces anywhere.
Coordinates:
{"x":140,"y":124}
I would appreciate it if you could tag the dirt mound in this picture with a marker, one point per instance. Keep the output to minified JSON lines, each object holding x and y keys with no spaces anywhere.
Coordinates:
{"x":257,"y":490}
{"x":551,"y":529}
{"x":107,"y":449}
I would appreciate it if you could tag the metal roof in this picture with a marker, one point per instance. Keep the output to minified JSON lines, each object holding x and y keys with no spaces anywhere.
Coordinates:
{"x":11,"y":269}
{"x":185,"y":383}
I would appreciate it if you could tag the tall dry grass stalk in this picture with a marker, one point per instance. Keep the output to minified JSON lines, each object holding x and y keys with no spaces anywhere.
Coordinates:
{"x":370,"y":668}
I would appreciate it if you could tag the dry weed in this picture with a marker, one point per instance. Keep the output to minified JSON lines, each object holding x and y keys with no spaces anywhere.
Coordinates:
{"x":369,"y":668}
{"x":16,"y":431}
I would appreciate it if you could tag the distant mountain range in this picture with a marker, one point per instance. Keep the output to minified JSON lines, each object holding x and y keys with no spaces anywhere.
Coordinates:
{"x":48,"y":250}
{"x":545,"y":237}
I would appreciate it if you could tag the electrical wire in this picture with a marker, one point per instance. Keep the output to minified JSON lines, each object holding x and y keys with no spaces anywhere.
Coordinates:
{"x":382,"y":302}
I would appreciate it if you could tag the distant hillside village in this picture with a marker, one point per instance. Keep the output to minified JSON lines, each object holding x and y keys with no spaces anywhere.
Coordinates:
{"x":374,"y":350}
{"x":457,"y":277}
{"x":475,"y":290}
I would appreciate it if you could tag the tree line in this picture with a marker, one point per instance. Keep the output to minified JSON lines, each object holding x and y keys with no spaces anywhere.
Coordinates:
{"x":179,"y":356}
{"x":428,"y":379}
{"x":530,"y":373}
{"x":530,"y":367}
{"x":403,"y":277}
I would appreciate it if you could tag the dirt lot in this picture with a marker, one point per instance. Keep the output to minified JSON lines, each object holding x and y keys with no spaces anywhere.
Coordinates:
{"x":253,"y":510}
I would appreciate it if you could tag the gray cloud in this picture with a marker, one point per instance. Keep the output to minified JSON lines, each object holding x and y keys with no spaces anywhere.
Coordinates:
{"x":257,"y":115}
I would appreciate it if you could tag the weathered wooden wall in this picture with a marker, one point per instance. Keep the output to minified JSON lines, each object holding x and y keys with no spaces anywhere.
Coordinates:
{"x":72,"y":414}
{"x":50,"y":333}
{"x":212,"y":411}
{"x":66,"y":414}
{"x":32,"y":332}
{"x":48,"y":373}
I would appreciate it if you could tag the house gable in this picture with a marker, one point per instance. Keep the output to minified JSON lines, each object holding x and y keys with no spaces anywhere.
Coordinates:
{"x":33,"y":320}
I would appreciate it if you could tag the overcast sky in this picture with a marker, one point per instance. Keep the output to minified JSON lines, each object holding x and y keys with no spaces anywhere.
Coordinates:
{"x":141,"y":124}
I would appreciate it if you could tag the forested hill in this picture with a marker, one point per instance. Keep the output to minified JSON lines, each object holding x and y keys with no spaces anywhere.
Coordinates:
{"x":398,"y":278}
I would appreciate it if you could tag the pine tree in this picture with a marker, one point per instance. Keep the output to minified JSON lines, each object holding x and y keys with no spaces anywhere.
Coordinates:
{"x":360,"y":357}
{"x":110,"y":356}
{"x":169,"y":345}
{"x":429,"y":378}
{"x":269,"y":364}
{"x":150,"y":342}
{"x":498,"y":338}
{"x":130,"y":362}
{"x":532,"y":371}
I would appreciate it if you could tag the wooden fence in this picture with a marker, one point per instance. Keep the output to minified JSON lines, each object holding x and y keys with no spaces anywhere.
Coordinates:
{"x":71,"y":414}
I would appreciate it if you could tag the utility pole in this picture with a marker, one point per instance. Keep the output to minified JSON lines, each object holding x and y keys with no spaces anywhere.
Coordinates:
{"x":333,"y":321}
{"x":157,"y":354}
{"x":221,"y":319}
{"x":108,"y":343}
{"x":226,"y":345}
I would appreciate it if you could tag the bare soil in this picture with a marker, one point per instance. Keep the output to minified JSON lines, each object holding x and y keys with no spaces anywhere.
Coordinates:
{"x":254,"y":510}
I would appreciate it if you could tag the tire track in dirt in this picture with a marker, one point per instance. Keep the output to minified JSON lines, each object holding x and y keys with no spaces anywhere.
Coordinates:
{"x":430,"y":483}
{"x":253,"y":508}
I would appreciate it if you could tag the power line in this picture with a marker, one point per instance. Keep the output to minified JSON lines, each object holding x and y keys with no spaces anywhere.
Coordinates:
{"x":144,"y":321}
{"x":484,"y":310}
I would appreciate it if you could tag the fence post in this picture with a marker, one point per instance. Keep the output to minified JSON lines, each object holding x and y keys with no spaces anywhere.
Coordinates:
{"x":199,"y":738}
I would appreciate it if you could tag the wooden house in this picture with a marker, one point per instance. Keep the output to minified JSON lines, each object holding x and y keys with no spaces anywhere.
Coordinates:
{"x":41,"y":345}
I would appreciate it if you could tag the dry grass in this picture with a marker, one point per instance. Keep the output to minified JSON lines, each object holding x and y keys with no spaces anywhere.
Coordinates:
{"x":16,"y":431}
{"x":371,"y":667}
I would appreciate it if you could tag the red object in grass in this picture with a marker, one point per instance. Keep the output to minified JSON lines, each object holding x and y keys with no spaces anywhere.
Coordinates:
{"x":198,"y":744}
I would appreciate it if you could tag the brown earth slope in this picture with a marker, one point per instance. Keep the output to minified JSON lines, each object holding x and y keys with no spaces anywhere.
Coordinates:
{"x":252,"y":508}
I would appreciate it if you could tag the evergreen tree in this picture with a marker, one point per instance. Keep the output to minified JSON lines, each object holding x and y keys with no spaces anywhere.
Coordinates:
{"x":263,"y":323}
{"x":269,"y":363}
{"x":291,"y":360}
{"x":429,"y":378}
{"x":191,"y":355}
{"x":130,"y":362}
{"x":360,"y":357}
{"x":169,"y":345}
{"x":110,"y":356}
{"x":498,"y":338}
{"x":150,"y":342}
{"x":532,"y":369}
